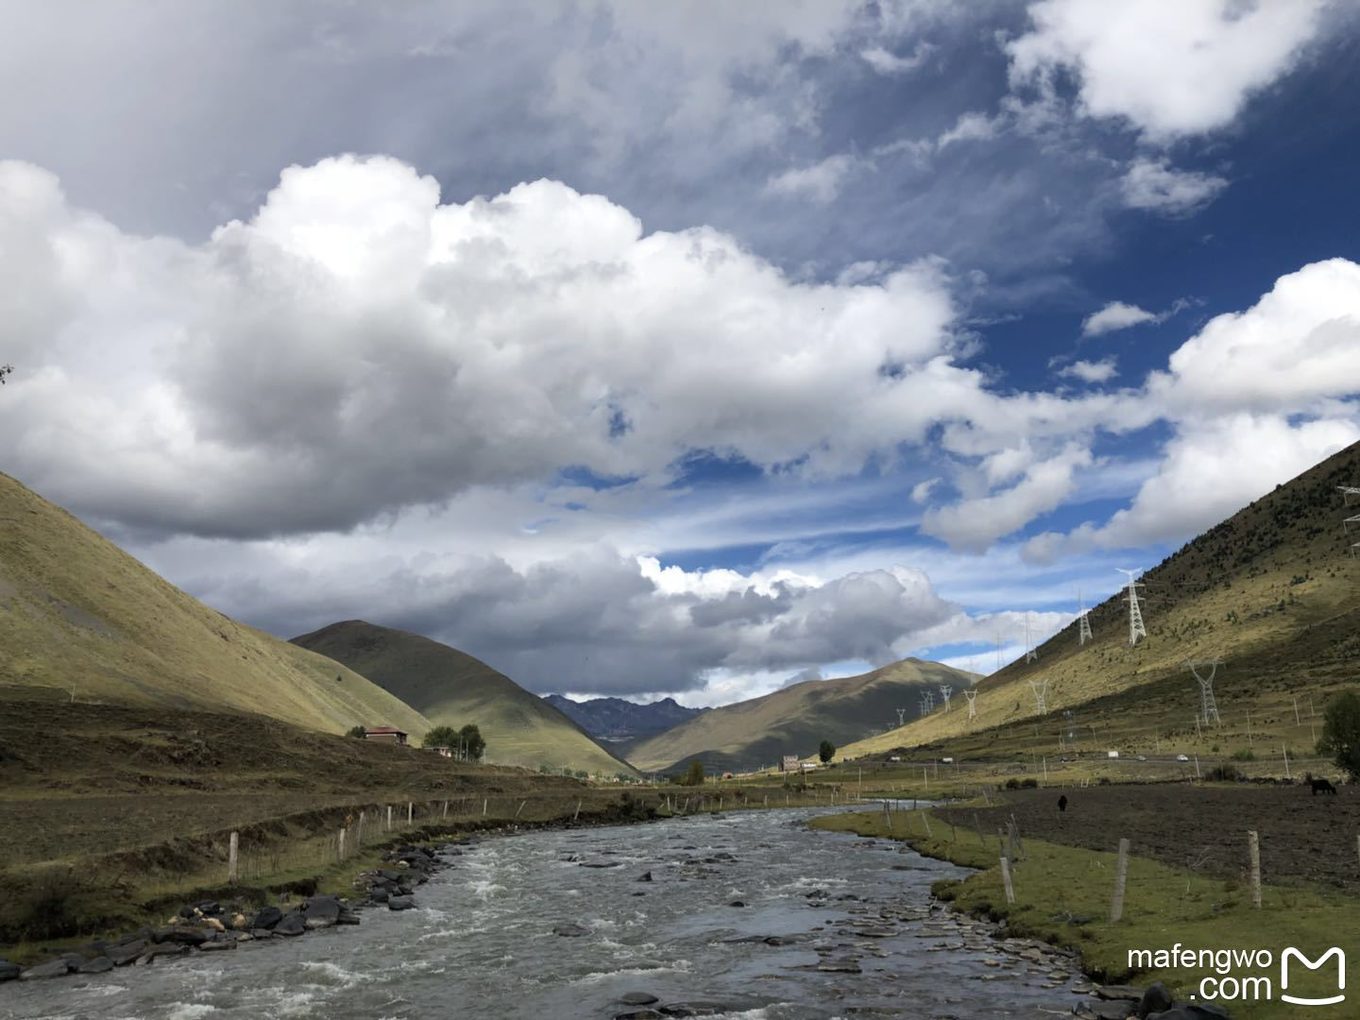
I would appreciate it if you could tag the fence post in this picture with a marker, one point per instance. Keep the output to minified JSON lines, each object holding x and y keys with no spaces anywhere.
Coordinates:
{"x":925,"y":817}
{"x":1006,"y":878}
{"x":389,"y":817}
{"x":484,"y":800}
{"x":577,"y":814}
{"x":359,"y":832}
{"x":410,"y":813}
{"x":1254,"y":851}
{"x":520,"y":808}
{"x":1286,"y":761}
{"x":446,"y":809}
{"x":341,"y":853}
{"x":232,"y":845}
{"x":1121,"y":874}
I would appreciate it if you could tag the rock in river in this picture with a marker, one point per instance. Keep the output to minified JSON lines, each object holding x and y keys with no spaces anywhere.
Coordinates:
{"x":571,"y":930}
{"x":292,"y":924}
{"x":50,"y":969}
{"x":400,"y":903}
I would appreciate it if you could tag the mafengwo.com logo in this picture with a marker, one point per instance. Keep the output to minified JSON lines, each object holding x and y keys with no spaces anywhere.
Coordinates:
{"x":1255,"y":975}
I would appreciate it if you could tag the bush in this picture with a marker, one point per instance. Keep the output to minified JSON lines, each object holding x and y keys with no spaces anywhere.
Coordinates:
{"x":1224,"y":774}
{"x":827,"y":751}
{"x":1243,"y":754}
{"x":1341,"y":733}
{"x":1022,"y":784}
{"x":694,"y":775}
{"x":358,"y":732}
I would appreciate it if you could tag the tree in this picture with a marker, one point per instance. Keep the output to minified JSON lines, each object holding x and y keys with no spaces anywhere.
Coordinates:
{"x":694,"y":775}
{"x":441,"y":736}
{"x":1341,"y":733}
{"x":471,"y":742}
{"x":827,"y":751}
{"x":4,"y":371}
{"x":358,"y":732}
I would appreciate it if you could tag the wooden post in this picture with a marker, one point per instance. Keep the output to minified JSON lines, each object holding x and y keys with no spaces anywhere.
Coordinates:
{"x":389,"y":817}
{"x":925,"y":818}
{"x":1286,"y":761}
{"x":520,"y":808}
{"x":577,"y":814}
{"x":341,"y":853}
{"x":1297,"y":720}
{"x":1121,"y":874}
{"x":1045,"y":771}
{"x":1254,"y":853}
{"x":484,"y":803}
{"x":1197,"y":775}
{"x":1248,"y":727}
{"x":410,"y":813}
{"x":925,"y":776}
{"x":232,"y":846}
{"x":359,"y":832}
{"x":985,"y":799}
{"x":446,"y":809}
{"x":1006,"y":879}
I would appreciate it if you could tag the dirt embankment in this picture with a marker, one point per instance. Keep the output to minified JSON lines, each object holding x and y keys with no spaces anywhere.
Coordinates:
{"x":1303,"y":838}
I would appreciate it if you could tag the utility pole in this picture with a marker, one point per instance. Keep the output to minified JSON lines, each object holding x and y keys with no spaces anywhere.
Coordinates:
{"x":1136,"y":628}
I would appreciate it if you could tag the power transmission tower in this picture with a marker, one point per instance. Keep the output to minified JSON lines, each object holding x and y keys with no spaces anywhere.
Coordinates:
{"x":1083,"y":624}
{"x":930,"y":702}
{"x":1347,"y":491}
{"x":1031,"y":653}
{"x":1136,"y":628}
{"x":972,"y":703}
{"x":1209,"y":708}
{"x":901,"y":717}
{"x":1040,"y":689}
{"x":925,"y":707}
{"x":946,"y":692}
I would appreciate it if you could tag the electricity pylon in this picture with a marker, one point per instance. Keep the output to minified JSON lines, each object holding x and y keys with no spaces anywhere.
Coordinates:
{"x":946,"y":692}
{"x":972,"y":703}
{"x":1030,"y":653}
{"x":1347,"y":491}
{"x":1040,"y":689}
{"x":1136,"y":628}
{"x":1209,"y":708}
{"x":901,"y":717}
{"x":1083,"y":623}
{"x":930,"y":702}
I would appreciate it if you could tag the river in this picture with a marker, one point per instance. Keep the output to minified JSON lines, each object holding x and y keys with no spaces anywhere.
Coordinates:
{"x":833,"y":926}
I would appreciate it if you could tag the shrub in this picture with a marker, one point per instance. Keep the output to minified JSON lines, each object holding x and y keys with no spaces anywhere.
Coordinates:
{"x":826,"y":751}
{"x":1341,"y":733}
{"x":357,"y":732}
{"x":1224,"y":774}
{"x":1243,"y":754}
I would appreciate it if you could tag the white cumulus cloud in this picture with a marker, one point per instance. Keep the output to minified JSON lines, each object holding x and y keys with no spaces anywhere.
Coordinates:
{"x":1153,"y":185}
{"x":1115,"y":315}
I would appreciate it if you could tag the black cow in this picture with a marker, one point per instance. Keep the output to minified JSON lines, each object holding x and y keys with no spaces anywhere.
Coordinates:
{"x":1062,"y":802}
{"x":1320,"y":785}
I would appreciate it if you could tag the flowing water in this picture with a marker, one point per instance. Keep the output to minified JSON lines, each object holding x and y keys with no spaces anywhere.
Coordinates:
{"x":818,"y":907}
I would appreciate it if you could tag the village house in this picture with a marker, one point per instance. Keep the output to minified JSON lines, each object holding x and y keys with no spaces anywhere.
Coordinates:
{"x":789,"y":764}
{"x":443,"y":752}
{"x":389,"y":734}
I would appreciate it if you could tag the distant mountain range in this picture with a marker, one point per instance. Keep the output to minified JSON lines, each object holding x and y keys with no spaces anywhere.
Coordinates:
{"x":795,"y":720}
{"x":616,"y":720}
{"x":454,"y":689}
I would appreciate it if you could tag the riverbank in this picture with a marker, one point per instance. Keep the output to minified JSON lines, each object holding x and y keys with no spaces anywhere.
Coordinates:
{"x":1063,"y":896}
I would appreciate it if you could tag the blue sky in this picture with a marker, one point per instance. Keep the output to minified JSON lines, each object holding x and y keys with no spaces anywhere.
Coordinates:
{"x":675,"y":349}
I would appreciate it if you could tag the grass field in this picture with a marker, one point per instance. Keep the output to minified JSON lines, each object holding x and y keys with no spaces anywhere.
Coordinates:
{"x":1063,"y":895}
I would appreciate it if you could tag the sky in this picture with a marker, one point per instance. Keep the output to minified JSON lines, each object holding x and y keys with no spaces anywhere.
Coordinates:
{"x":680,"y":349}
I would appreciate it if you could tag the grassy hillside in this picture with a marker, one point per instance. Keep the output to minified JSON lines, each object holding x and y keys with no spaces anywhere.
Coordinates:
{"x":453,"y":688}
{"x":1273,"y":591}
{"x":81,"y":617}
{"x":795,"y":720}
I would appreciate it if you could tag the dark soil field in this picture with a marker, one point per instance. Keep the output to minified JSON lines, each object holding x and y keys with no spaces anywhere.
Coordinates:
{"x":1304,"y":839}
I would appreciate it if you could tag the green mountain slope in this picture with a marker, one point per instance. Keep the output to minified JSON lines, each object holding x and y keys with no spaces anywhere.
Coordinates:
{"x":79,"y":615}
{"x":1273,"y":591}
{"x":453,"y":688}
{"x":795,"y":720}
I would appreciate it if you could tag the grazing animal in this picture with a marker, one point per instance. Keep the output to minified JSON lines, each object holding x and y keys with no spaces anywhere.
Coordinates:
{"x":1320,"y":785}
{"x":1062,"y":802}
